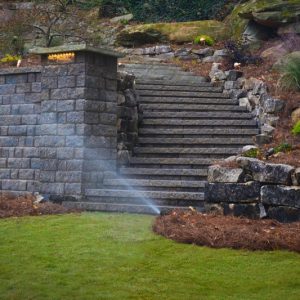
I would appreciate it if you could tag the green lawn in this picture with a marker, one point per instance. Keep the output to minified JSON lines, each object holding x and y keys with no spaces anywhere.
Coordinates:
{"x":113,"y":256}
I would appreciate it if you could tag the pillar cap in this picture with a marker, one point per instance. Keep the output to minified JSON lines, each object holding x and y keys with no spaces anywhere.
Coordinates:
{"x":75,"y":48}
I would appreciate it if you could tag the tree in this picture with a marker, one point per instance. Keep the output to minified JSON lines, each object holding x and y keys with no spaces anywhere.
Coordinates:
{"x":57,"y":19}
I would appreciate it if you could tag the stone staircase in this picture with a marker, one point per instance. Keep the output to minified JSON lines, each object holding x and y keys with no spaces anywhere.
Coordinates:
{"x":187,"y":124}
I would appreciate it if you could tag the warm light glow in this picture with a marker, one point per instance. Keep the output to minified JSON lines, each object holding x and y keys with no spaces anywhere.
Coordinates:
{"x":64,"y":57}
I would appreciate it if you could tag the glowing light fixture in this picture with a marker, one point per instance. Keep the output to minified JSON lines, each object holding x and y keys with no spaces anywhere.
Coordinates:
{"x":62,"y":57}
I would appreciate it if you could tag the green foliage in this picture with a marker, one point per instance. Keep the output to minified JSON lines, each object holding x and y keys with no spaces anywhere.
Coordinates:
{"x":95,"y":256}
{"x":284,"y":147}
{"x":290,"y":79}
{"x":296,"y":128}
{"x":10,"y":58}
{"x":205,"y":39}
{"x":252,"y":153}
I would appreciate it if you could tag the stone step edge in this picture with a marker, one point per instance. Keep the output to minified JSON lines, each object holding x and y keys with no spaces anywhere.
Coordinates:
{"x":155,"y":183}
{"x":145,"y":194}
{"x":163,"y":171}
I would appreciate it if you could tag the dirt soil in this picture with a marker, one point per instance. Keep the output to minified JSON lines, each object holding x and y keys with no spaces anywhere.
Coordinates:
{"x":11,"y":206}
{"x":217,"y":231}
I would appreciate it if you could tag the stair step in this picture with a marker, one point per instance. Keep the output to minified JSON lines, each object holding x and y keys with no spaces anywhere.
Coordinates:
{"x":209,"y":150}
{"x":163,"y":172}
{"x":154,"y":183}
{"x":182,"y":94}
{"x":145,"y":194}
{"x":172,"y":83}
{"x":203,"y":122}
{"x":180,"y":100}
{"x":192,"y":114}
{"x":198,"y":131}
{"x":170,"y":161}
{"x":197,"y":141}
{"x":120,"y":207}
{"x":157,"y":87}
{"x":193,"y":107}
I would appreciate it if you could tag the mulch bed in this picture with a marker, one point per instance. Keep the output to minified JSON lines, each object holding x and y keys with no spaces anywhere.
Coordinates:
{"x":228,"y":232}
{"x":12,"y":206}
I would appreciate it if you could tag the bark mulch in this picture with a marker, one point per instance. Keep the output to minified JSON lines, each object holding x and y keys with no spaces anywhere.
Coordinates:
{"x":217,"y":231}
{"x":19,"y":206}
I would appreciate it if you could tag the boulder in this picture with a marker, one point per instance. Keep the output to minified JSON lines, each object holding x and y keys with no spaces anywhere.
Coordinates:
{"x":212,"y":59}
{"x":274,"y":53}
{"x":267,"y":129}
{"x":280,"y":195}
{"x":274,"y":14}
{"x":266,"y":173}
{"x":263,"y":139}
{"x":234,"y":75}
{"x":271,"y":105}
{"x":222,"y":53}
{"x":216,"y":74}
{"x":285,"y":59}
{"x":248,"y":210}
{"x":248,"y":148}
{"x":296,"y":115}
{"x":284,"y":214}
{"x":217,"y":173}
{"x":203,"y":52}
{"x":244,"y":102}
{"x":232,"y":192}
{"x":179,"y":32}
{"x":120,"y":19}
{"x":230,"y":85}
{"x":297,"y":176}
{"x":162,"y":49}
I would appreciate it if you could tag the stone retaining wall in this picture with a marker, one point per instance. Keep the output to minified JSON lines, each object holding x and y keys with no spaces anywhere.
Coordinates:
{"x":254,"y":189}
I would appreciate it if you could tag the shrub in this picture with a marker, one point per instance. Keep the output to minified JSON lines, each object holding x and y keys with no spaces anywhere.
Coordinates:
{"x":252,"y":153}
{"x":284,"y":147}
{"x":238,"y":52}
{"x":10,"y":58}
{"x":290,"y":78}
{"x":209,"y":41}
{"x":296,"y":128}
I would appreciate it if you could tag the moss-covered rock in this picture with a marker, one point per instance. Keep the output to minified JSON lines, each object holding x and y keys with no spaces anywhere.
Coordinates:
{"x":174,"y":32}
{"x":273,"y":14}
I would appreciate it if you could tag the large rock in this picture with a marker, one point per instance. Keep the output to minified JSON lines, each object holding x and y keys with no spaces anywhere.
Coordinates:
{"x":217,"y":173}
{"x":267,"y":173}
{"x":271,"y":105}
{"x":272,"y":14}
{"x":296,"y":115}
{"x":179,"y":32}
{"x":279,"y":195}
{"x":284,"y":214}
{"x":285,"y":59}
{"x":232,"y":192}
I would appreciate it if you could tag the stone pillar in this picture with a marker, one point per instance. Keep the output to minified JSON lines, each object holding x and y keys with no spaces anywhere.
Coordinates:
{"x":78,"y":120}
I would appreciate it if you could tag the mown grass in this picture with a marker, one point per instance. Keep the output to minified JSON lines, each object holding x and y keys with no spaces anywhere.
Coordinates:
{"x":113,"y":256}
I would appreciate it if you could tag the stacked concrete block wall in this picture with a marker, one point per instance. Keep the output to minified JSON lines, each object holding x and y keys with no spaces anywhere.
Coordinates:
{"x":58,"y":125}
{"x":20,"y":106}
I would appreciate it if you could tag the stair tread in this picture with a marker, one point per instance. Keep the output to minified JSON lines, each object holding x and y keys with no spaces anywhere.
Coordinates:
{"x":190,"y":100}
{"x":155,"y":183}
{"x":140,"y":87}
{"x":147,"y":194}
{"x":202,"y":131}
{"x":193,"y":107}
{"x":163,"y":171}
{"x":202,"y":122}
{"x":193,"y":114}
{"x":182,"y":94}
{"x":171,"y":83}
{"x":195,"y":141}
{"x":170,"y":160}
{"x":182,"y":150}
